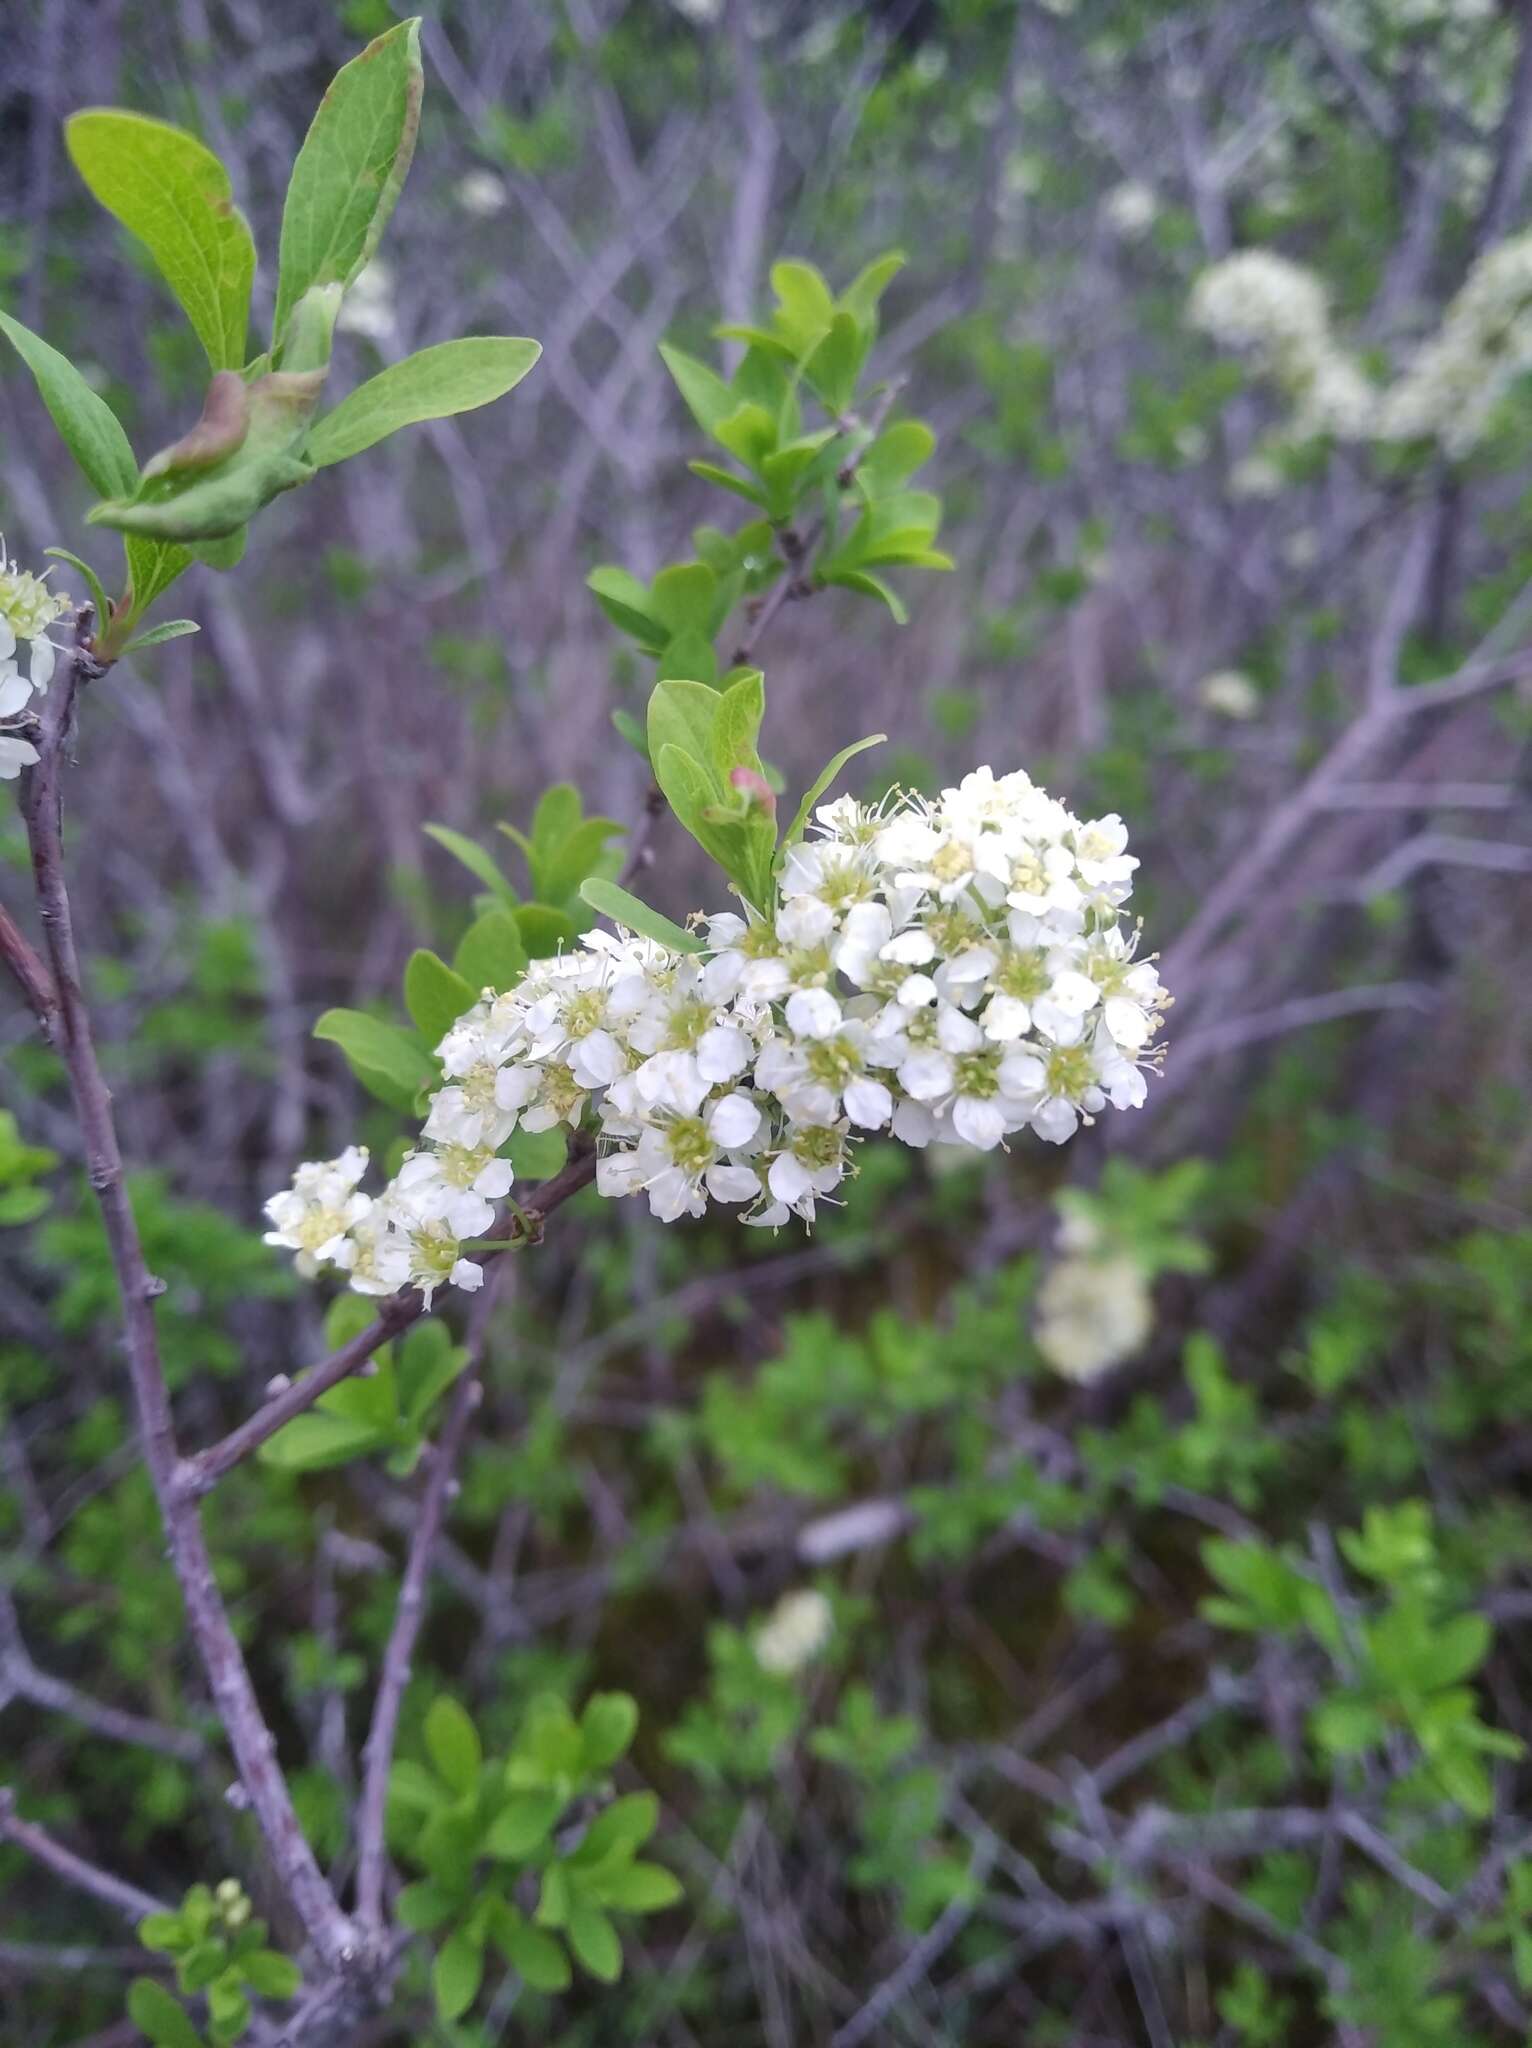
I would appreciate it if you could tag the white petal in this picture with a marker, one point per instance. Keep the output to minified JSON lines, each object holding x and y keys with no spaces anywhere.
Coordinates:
{"x":813,"y":1013}
{"x":733,"y":1122}
{"x":868,"y":1104}
{"x":926,"y":1075}
{"x":723,"y":1051}
{"x":980,"y":1124}
{"x":788,"y":1178}
{"x":1055,"y":1120}
{"x":733,"y":1183}
{"x":14,"y":692}
{"x":957,"y":1033}
{"x":40,"y":667}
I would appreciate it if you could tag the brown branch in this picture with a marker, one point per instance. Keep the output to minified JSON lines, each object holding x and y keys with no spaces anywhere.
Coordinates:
{"x":122,"y":1897}
{"x":229,"y":1679}
{"x":35,"y":981}
{"x":378,"y":1750}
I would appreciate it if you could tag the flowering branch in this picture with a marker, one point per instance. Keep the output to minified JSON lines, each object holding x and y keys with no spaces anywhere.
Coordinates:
{"x":200,"y":1473}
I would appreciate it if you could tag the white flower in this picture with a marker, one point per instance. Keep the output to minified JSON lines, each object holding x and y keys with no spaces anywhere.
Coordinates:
{"x":796,"y":1631}
{"x":457,"y":1184}
{"x":314,"y":1217}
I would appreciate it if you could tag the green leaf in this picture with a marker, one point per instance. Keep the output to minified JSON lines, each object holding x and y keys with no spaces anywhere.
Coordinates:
{"x":425,"y":1906}
{"x":456,"y":1975}
{"x":158,"y":2015}
{"x":174,"y":195}
{"x":630,"y":729}
{"x":452,"y":377}
{"x":688,"y":657}
{"x":544,"y":930}
{"x":153,"y":565}
{"x":475,"y":859}
{"x":615,"y":903}
{"x":736,"y":727}
{"x":872,"y":586}
{"x":452,"y":1743}
{"x":163,"y":1932}
{"x":350,"y":168}
{"x":429,"y":1362}
{"x":638,"y":1888}
{"x":376,"y":1048}
{"x":88,"y":427}
{"x":896,"y":454}
{"x":435,"y":995}
{"x":171,"y":629}
{"x":683,"y":596}
{"x":708,"y":399}
{"x":523,"y":1824}
{"x":682,"y":714}
{"x":821,"y":783}
{"x":626,"y":603}
{"x":861,"y":296}
{"x":594,"y":1941}
{"x":98,"y":596}
{"x":537,"y":1155}
{"x":712,"y":473}
{"x":622,"y":1827}
{"x":536,"y":1956}
{"x":607,"y":1727}
{"x":318,"y":1442}
{"x":270,"y":1975}
{"x":492,"y":953}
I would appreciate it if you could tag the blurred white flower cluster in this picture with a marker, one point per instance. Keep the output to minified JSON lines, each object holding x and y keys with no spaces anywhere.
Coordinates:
{"x":1275,"y":312}
{"x":798,"y":1628}
{"x":1095,"y":1308}
{"x":952,"y":971}
{"x":1459,"y":376}
{"x":27,"y":609}
{"x":1130,"y":209}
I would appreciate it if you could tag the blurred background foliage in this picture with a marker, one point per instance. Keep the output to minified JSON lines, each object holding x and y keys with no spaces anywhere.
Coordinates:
{"x":1079,"y":1598}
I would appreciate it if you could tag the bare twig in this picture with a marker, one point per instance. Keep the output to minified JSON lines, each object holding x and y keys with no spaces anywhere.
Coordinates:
{"x":122,"y":1897}
{"x":378,"y":1751}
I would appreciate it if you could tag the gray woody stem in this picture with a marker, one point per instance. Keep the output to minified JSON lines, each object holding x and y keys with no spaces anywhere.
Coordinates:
{"x":123,"y":1898}
{"x":228,"y":1678}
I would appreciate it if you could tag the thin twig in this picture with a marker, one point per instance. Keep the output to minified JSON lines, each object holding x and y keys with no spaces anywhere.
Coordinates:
{"x":378,"y":1751}
{"x":115,"y":1892}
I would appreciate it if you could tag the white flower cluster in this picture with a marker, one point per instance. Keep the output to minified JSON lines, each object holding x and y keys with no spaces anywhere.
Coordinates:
{"x":1276,"y":312}
{"x":951,"y":971}
{"x":27,"y":609}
